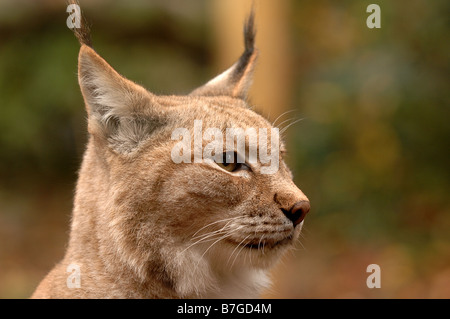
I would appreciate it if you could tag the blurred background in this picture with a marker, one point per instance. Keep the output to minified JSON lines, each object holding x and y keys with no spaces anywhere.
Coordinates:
{"x":371,"y":153}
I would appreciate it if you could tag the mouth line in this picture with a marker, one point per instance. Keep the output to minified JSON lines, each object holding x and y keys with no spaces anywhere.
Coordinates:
{"x":261,"y":245}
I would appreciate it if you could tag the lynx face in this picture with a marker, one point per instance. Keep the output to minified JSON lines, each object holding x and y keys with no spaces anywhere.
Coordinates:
{"x":145,"y":225}
{"x":228,"y":213}
{"x":209,"y":217}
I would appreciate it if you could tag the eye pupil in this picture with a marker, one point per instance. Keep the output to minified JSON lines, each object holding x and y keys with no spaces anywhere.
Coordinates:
{"x":230,"y":162}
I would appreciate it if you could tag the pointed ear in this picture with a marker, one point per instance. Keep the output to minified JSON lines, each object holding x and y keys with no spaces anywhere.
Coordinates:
{"x":115,"y":105}
{"x":237,"y":79}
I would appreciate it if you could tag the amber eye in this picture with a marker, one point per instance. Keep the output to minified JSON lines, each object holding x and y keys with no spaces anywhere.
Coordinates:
{"x":231,"y":162}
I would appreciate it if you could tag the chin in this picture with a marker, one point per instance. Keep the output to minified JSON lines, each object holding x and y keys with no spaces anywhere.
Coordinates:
{"x":232,"y":254}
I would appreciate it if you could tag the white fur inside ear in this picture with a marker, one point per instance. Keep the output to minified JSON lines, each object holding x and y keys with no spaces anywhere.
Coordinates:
{"x":113,"y":103}
{"x":222,"y":77}
{"x":104,"y":95}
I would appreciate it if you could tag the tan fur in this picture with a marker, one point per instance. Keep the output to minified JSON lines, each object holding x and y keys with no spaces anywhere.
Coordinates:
{"x":137,"y":214}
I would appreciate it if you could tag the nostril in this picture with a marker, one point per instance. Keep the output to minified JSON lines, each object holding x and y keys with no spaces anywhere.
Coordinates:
{"x":297,"y":212}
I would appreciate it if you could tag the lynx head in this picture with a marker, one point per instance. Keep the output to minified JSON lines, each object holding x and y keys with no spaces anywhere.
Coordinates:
{"x":162,"y":212}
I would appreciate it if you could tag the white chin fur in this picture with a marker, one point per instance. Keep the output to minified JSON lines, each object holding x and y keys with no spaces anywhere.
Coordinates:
{"x":198,"y":277}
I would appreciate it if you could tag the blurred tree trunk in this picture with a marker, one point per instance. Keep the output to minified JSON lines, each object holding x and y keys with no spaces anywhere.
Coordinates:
{"x":272,"y":86}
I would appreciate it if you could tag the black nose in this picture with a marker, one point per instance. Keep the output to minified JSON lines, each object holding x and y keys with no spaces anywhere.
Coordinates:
{"x":297,"y":212}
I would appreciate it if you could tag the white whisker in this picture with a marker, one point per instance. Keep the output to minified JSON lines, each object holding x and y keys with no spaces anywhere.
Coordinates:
{"x":207,"y":237}
{"x":237,"y":246}
{"x":213,"y":231}
{"x":239,"y":251}
{"x":289,"y":125}
{"x":228,"y":234}
{"x":218,"y":221}
{"x":259,"y":243}
{"x":280,"y":126}
{"x":281,"y":115}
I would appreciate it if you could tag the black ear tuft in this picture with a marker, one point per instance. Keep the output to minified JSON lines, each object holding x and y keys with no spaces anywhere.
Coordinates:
{"x":249,"y":43}
{"x":249,"y":35}
{"x":250,"y":32}
{"x":83,"y":33}
{"x":236,"y":80}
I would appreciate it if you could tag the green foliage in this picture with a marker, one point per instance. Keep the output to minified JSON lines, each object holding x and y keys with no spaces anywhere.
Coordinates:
{"x":373,"y":149}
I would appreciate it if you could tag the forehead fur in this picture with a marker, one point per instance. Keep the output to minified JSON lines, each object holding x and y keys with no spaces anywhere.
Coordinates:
{"x":215,"y":111}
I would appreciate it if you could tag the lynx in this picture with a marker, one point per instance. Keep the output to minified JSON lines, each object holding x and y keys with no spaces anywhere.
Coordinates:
{"x":144,"y":226}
